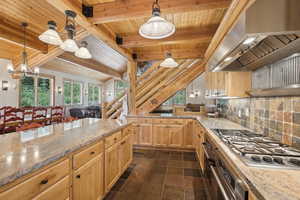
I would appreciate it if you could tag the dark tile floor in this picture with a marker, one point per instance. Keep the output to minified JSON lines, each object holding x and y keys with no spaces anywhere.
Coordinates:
{"x":160,"y":175}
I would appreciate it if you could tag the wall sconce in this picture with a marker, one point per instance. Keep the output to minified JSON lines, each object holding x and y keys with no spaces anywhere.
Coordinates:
{"x":59,"y":90}
{"x":4,"y":85}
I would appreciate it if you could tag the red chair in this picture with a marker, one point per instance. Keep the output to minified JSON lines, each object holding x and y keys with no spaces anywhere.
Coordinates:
{"x":26,"y":126}
{"x":28,"y":114}
{"x":13,"y":118}
{"x":39,"y":115}
{"x":57,"y":114}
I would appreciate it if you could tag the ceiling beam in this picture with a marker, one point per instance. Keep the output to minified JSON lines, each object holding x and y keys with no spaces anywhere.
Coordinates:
{"x":232,"y":15}
{"x":94,"y":30}
{"x":91,"y":64}
{"x":198,"y":35}
{"x":129,"y":9}
{"x":39,"y":58}
{"x":190,"y":53}
{"x":12,"y":32}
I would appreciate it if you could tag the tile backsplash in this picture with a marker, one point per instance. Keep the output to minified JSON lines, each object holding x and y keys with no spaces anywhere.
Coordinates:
{"x":277,"y":117}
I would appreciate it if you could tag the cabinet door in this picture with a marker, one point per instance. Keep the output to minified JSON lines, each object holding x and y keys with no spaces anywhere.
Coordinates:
{"x":145,"y":133}
{"x":112,"y":166}
{"x":125,"y":152}
{"x":88,"y":180}
{"x":136,"y":134}
{"x":176,"y":136}
{"x":188,"y":134}
{"x":160,"y":135}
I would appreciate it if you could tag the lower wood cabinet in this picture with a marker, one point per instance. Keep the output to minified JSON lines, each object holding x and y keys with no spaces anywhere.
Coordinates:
{"x":168,"y":135}
{"x":175,"y":136}
{"x":126,"y":153}
{"x":112,"y":166}
{"x":88,"y":180}
{"x":145,"y":134}
{"x":199,"y":140}
{"x":188,"y":136}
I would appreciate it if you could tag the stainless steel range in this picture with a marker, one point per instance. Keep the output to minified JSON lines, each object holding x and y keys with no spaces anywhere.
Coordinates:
{"x":258,"y":150}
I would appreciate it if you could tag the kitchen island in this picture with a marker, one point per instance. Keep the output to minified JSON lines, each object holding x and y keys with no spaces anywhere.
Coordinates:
{"x":58,"y":161}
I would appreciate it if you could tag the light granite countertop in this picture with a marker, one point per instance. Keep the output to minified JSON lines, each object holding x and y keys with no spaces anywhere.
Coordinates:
{"x":266,"y":183}
{"x":27,"y":151}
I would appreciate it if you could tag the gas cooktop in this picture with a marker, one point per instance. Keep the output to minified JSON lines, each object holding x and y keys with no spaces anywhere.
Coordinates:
{"x":258,"y":150}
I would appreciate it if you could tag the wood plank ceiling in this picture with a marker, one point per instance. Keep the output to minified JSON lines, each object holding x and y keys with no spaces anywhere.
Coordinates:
{"x":196,"y":22}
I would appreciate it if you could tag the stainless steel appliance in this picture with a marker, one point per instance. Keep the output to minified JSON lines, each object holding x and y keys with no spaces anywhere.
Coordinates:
{"x":258,"y":150}
{"x":223,"y":182}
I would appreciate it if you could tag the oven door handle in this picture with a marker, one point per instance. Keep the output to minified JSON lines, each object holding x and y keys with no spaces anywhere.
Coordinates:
{"x":219,"y":183}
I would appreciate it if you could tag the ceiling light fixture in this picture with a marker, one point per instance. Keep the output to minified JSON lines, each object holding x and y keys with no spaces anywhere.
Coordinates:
{"x":23,"y":68}
{"x":83,"y":52}
{"x":52,"y":37}
{"x":228,"y":59}
{"x":156,"y":27}
{"x":169,"y":62}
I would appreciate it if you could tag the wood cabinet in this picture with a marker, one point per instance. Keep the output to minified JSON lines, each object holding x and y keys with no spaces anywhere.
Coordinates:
{"x":175,"y":136}
{"x":188,"y":136}
{"x":112,"y":166}
{"x":145,"y":134}
{"x":160,"y":135}
{"x":88,"y":180}
{"x":38,"y":183}
{"x":199,"y":140}
{"x":231,"y":84}
{"x":125,"y":153}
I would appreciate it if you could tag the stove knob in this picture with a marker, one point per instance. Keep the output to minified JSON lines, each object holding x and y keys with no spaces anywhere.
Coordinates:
{"x":278,"y":160}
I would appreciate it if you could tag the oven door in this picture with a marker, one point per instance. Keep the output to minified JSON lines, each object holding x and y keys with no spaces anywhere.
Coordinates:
{"x":217,"y":190}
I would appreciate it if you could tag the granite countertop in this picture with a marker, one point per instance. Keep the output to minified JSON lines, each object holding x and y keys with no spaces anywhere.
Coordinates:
{"x":266,"y":183}
{"x":26,"y":151}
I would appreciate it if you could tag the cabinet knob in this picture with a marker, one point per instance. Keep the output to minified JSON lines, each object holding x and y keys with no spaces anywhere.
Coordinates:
{"x":44,"y":182}
{"x":78,"y":176}
{"x":92,"y":153}
{"x":123,"y":142}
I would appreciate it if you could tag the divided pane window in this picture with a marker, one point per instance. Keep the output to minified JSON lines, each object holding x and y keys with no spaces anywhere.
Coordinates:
{"x":72,"y":92}
{"x":94,"y":96}
{"x":44,"y":92}
{"x":77,"y":88}
{"x":178,"y":99}
{"x":120,"y":87}
{"x":67,"y":92}
{"x":27,"y":92}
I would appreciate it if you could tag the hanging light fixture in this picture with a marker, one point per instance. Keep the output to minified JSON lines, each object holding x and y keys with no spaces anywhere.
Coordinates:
{"x":169,"y":61}
{"x":83,"y":52}
{"x":192,"y":95}
{"x":157,"y":27}
{"x":52,"y":37}
{"x":23,"y":68}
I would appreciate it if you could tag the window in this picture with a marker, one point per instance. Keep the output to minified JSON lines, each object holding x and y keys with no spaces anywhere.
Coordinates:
{"x":94,"y":94}
{"x":35,"y":91}
{"x":178,"y":99}
{"x":72,"y":92}
{"x":120,"y":87}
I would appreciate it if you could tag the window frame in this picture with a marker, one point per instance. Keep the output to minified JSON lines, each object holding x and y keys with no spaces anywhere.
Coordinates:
{"x":121,"y":90}
{"x":72,"y":95}
{"x":35,"y":84}
{"x":93,"y":85}
{"x":170,"y":101}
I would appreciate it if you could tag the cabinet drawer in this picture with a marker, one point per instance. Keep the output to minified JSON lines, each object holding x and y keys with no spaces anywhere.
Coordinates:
{"x":88,"y":154}
{"x":113,"y":139}
{"x":59,"y":191}
{"x":145,"y":120}
{"x":38,"y":183}
{"x":127,"y":131}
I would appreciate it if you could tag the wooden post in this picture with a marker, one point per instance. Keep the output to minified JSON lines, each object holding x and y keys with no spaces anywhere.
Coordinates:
{"x":104,"y":110}
{"x":131,"y":70}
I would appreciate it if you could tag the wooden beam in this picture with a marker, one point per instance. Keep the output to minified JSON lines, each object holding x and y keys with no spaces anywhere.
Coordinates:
{"x":179,"y":83}
{"x":203,"y":35}
{"x":129,"y":9}
{"x":145,"y":76}
{"x":94,"y":30}
{"x":91,"y":64}
{"x":39,"y":58}
{"x":233,"y":13}
{"x":132,"y":70}
{"x":12,"y":32}
{"x":191,"y":53}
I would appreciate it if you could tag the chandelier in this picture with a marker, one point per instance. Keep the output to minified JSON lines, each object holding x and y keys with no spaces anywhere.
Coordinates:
{"x":169,"y":62}
{"x":51,"y":36}
{"x":23,"y":68}
{"x":156,"y":27}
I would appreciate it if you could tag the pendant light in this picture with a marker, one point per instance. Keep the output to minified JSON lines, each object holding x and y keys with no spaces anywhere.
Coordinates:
{"x":23,"y":68}
{"x":83,"y":52}
{"x":156,"y":27}
{"x":52,"y":37}
{"x":192,"y":95}
{"x":169,"y":62}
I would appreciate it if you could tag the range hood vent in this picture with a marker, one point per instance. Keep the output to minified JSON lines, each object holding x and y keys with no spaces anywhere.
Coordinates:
{"x":265,"y":33}
{"x":279,"y":79}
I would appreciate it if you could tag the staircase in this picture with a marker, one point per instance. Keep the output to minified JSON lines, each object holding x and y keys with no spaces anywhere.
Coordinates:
{"x":157,"y":85}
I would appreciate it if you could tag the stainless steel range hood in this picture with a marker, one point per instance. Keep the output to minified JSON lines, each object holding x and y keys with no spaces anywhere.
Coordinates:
{"x":266,"y":28}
